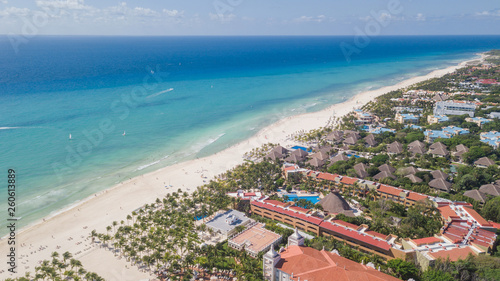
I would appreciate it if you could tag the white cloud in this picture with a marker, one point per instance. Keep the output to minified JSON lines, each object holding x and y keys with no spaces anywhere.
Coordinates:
{"x":144,"y":12}
{"x":173,"y":13}
{"x":319,"y":18}
{"x":4,"y":2}
{"x":13,"y":11}
{"x":420,"y":17}
{"x":64,"y":5}
{"x":124,"y":12}
{"x":383,"y":17}
{"x":492,"y":13}
{"x":222,"y":17}
{"x":71,"y":15}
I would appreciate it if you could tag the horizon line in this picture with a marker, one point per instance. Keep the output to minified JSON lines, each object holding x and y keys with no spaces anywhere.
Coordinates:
{"x":249,"y":35}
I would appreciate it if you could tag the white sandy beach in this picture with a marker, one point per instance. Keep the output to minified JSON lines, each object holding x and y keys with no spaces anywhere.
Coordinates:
{"x":69,"y":230}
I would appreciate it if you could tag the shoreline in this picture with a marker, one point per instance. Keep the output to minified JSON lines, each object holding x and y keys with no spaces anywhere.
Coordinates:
{"x":63,"y":229}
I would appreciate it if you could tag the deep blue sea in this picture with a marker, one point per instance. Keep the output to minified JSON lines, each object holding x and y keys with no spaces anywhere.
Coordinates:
{"x":176,"y":98}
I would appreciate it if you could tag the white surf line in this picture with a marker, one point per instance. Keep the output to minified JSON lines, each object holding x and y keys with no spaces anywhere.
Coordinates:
{"x":159,"y":93}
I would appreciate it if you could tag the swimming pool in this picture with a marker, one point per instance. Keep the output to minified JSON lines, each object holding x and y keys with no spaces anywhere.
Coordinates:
{"x":313,"y":199}
{"x":301,"y":147}
{"x":355,"y":156}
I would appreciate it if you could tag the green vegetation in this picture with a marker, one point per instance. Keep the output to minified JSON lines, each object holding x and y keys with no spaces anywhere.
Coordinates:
{"x":222,"y":257}
{"x":421,"y":220}
{"x":402,"y":269}
{"x":491,"y":209}
{"x":481,"y":267}
{"x":61,"y":267}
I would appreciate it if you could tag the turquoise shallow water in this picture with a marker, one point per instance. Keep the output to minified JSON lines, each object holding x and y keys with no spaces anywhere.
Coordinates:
{"x":224,"y":91}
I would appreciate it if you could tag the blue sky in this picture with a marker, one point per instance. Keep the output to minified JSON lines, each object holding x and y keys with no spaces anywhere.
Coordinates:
{"x":249,"y":17}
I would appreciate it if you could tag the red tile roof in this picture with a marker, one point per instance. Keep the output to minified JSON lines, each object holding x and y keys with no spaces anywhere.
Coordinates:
{"x":487,"y":81}
{"x":447,"y":212}
{"x":313,"y":265}
{"x":328,"y":225}
{"x":477,"y":217}
{"x":275,"y":202}
{"x":327,"y":176}
{"x":348,"y":180}
{"x":416,"y":196}
{"x":295,"y":214}
{"x":389,"y":189}
{"x":249,"y":194}
{"x":453,"y":254}
{"x":426,"y":241}
{"x":495,"y":224}
{"x":356,"y":236}
{"x":344,"y":223}
{"x":299,"y":209}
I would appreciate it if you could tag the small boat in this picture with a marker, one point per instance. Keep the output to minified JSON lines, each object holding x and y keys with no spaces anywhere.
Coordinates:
{"x":123,"y":133}
{"x":70,"y":138}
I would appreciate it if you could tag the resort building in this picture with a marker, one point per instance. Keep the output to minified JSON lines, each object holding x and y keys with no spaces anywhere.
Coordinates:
{"x":276,"y":210}
{"x":401,"y":196}
{"x":476,"y":195}
{"x":361,"y":170}
{"x":408,"y":109}
{"x":435,"y":119}
{"x":413,"y":127}
{"x":459,"y":152}
{"x":445,"y":133}
{"x":480,"y":121}
{"x":395,"y":148}
{"x":378,"y":130}
{"x":405,"y":118}
{"x":225,"y":223}
{"x":440,"y":184}
{"x":462,"y":212}
{"x":428,"y":250}
{"x":335,"y":137}
{"x":492,"y":138}
{"x":254,"y":239}
{"x":484,"y":162}
{"x":438,"y":149}
{"x":357,"y":236}
{"x":363,"y":118}
{"x":494,"y":115}
{"x":370,"y":141}
{"x":492,"y":189}
{"x":245,"y":195}
{"x":454,"y":108}
{"x":464,"y":232}
{"x":417,"y":147}
{"x":298,"y":262}
{"x":334,"y":203}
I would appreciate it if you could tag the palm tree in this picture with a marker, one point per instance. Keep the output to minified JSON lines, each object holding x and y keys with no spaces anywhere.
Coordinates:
{"x":66,"y":256}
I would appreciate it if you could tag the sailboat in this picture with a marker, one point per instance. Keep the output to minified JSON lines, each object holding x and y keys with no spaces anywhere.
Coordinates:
{"x":70,"y":138}
{"x":123,"y":133}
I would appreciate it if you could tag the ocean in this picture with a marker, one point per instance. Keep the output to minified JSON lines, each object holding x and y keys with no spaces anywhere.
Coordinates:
{"x":136,"y":104}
